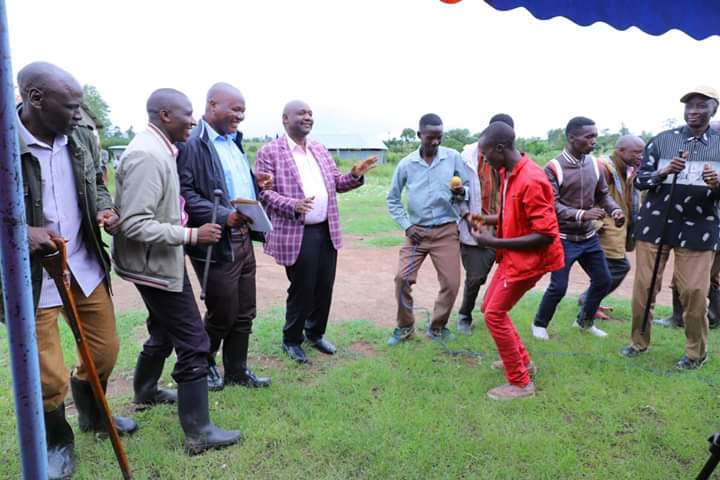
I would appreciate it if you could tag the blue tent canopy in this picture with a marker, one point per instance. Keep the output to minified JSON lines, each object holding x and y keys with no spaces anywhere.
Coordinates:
{"x":697,"y":18}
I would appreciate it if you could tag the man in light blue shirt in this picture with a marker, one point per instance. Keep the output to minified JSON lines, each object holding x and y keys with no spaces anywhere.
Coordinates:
{"x":213,"y":159}
{"x":430,"y":224}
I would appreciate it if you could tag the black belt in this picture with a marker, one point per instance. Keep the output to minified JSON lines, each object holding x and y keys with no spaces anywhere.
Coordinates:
{"x":436,"y":226}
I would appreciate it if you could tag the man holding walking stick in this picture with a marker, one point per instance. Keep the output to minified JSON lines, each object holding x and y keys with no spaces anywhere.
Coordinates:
{"x":679,"y":212}
{"x":66,"y":200}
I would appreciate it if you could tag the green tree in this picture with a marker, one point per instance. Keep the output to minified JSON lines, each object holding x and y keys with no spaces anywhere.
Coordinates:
{"x":407,"y":135}
{"x":99,"y":108}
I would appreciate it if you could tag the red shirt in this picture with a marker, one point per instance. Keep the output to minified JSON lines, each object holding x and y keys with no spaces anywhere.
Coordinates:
{"x":528,"y":206}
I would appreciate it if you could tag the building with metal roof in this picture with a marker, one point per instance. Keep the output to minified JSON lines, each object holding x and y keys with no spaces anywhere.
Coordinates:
{"x":352,"y":146}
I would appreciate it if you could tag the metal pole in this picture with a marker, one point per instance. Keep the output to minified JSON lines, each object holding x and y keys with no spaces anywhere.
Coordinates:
{"x":17,"y":286}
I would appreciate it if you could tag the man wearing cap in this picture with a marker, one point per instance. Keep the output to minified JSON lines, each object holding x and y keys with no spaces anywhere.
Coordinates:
{"x":675,"y":319}
{"x":691,"y":154}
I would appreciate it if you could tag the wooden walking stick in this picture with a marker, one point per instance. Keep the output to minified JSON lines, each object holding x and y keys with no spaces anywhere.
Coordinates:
{"x":56,"y":266}
{"x":217,"y":194}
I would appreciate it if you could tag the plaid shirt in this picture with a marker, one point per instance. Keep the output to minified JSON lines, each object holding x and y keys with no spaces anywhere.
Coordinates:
{"x":283,"y":243}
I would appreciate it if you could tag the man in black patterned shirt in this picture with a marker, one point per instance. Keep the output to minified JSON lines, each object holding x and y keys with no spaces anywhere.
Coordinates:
{"x":692,"y":154}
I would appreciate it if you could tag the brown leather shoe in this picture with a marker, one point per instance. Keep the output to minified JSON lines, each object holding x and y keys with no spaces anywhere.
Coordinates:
{"x":532,"y":369}
{"x":511,"y":392}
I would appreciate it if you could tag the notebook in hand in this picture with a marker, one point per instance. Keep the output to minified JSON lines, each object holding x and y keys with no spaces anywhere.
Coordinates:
{"x":255,"y":211}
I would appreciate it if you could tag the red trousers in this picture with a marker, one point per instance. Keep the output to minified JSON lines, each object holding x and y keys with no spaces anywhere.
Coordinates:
{"x":500,"y":298}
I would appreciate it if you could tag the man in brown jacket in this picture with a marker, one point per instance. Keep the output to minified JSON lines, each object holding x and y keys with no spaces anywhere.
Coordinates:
{"x":619,"y":172}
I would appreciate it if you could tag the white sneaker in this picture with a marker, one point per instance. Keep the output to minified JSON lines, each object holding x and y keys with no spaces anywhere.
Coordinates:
{"x":540,"y":332}
{"x":594,"y":331}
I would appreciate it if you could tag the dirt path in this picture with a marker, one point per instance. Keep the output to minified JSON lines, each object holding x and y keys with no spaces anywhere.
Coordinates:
{"x":364,"y":286}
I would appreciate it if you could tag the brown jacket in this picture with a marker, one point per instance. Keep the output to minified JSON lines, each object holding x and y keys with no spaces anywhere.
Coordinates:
{"x":614,"y":239}
{"x":578,"y":186}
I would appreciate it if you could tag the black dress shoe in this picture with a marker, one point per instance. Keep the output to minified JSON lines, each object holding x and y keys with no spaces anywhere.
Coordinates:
{"x":323,"y":345}
{"x":247,"y":379}
{"x":214,"y":379}
{"x":295,"y":352}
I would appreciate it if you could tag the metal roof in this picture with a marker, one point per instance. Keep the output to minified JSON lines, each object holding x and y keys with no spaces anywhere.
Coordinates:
{"x":348,"y":141}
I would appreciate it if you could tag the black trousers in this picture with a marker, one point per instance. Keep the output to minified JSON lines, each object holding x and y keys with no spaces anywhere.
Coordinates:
{"x":174,"y":322}
{"x":230,"y":294}
{"x":312,"y":277}
{"x":477,"y":261}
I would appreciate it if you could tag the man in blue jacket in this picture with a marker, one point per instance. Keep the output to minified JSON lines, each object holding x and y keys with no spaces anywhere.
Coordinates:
{"x":213,"y":159}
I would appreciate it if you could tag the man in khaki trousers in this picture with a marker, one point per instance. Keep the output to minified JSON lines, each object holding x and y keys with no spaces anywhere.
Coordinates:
{"x":692,"y":154}
{"x":430,"y":224}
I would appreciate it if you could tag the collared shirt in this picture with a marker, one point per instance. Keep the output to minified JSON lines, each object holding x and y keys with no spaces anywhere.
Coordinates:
{"x":234,"y":163}
{"x":429,"y":199}
{"x":62,"y":215}
{"x":313,"y":183}
{"x":693,"y":221}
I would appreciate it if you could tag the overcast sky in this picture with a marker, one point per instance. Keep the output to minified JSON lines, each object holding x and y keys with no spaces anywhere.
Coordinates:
{"x":366,"y":66}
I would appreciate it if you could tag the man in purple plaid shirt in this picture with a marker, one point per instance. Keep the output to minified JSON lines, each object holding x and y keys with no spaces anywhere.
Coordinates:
{"x":302,"y":206}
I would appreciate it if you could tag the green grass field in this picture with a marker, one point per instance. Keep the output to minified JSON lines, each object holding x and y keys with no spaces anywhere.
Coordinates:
{"x":416,"y":412}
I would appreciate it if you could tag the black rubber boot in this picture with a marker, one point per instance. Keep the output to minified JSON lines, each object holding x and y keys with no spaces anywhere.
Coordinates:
{"x":90,"y":417}
{"x":713,"y":314}
{"x":235,"y":351}
{"x":214,"y":379}
{"x":676,"y":318}
{"x":200,"y":433}
{"x":145,"y":382}
{"x":60,"y":444}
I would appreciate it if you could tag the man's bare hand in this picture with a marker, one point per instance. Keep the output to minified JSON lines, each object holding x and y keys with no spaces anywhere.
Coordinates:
{"x":304,"y":205}
{"x":362,"y":167}
{"x":109,"y":220}
{"x":237,"y":220}
{"x":594,"y":214}
{"x":710,"y":176}
{"x":41,"y":240}
{"x":619,"y":218}
{"x":483,"y":237}
{"x":415,"y":233}
{"x":209,"y":233}
{"x":676,"y":165}
{"x":264,"y":180}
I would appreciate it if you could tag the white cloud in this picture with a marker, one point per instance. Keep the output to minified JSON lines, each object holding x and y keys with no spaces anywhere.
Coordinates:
{"x":370,"y":66}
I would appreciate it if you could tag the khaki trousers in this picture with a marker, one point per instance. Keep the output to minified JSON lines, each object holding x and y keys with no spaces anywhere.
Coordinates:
{"x":692,"y":280}
{"x":442,"y":245}
{"x":98,"y":321}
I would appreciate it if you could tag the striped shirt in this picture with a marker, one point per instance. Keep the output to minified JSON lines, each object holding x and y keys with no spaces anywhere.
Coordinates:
{"x":693,"y":221}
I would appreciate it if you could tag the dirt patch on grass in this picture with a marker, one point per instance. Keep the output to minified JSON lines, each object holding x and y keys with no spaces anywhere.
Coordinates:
{"x":364,"y":349}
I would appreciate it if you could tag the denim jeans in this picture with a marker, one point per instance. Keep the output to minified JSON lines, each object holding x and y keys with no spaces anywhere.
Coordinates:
{"x":619,"y":268}
{"x":592,"y":259}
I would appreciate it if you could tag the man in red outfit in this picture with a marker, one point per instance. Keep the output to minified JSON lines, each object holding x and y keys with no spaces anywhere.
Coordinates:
{"x":528,"y":246}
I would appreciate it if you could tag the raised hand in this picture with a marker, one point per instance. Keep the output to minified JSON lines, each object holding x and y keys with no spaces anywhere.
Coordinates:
{"x":362,"y":167}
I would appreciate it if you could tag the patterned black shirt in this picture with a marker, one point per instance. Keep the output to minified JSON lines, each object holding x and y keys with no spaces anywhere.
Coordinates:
{"x":693,"y":221}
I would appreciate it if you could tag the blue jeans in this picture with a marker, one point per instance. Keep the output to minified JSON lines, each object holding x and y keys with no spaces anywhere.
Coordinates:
{"x":592,"y":260}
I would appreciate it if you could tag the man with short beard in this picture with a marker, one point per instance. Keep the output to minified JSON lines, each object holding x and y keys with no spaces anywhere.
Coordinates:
{"x":213,"y":158}
{"x":66,"y":198}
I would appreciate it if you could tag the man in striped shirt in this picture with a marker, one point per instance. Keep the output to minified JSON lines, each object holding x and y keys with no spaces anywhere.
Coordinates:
{"x":686,"y":221}
{"x":578,"y":187}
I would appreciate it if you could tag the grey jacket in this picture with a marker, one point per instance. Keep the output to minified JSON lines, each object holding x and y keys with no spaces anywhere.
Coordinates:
{"x":149,"y":248}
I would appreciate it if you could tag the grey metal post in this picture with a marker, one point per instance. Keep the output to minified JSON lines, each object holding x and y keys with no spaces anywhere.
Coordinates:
{"x":17,"y":287}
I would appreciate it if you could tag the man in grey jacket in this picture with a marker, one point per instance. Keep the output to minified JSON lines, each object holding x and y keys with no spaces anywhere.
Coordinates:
{"x":148,"y":251}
